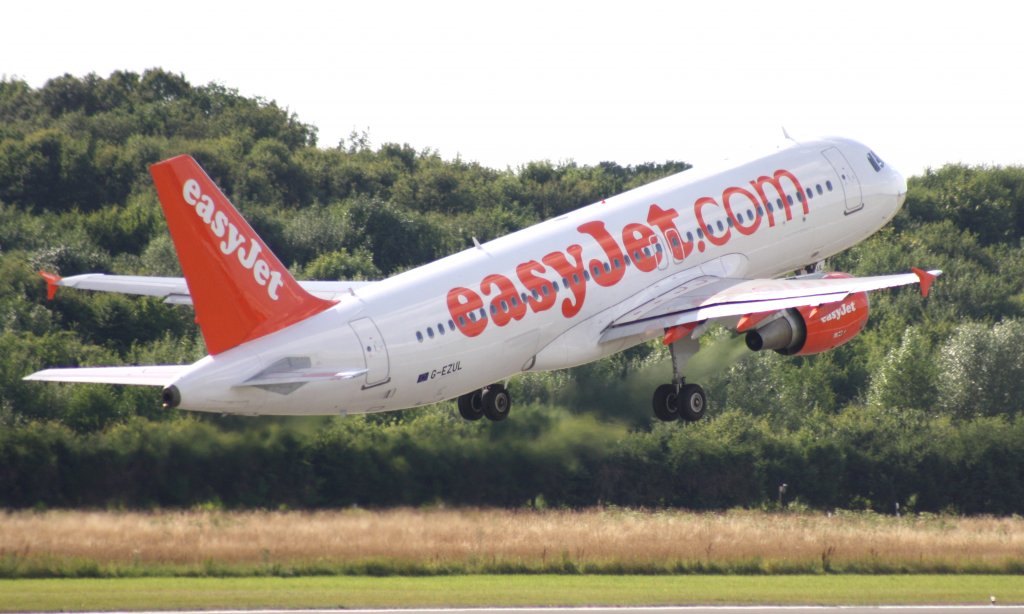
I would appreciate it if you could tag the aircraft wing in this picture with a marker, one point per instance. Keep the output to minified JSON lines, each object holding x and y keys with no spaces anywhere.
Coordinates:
{"x":174,"y":290}
{"x":152,"y":375}
{"x":710,"y":297}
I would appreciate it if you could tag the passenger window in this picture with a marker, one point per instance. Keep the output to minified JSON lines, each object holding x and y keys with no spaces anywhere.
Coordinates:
{"x":504,"y":306}
{"x":494,"y":309}
{"x":828,"y":184}
{"x":440,"y":328}
{"x":451,"y":325}
{"x":818,"y":187}
{"x":789,"y":197}
{"x":462,"y":321}
{"x":472,"y":317}
{"x":545,"y":290}
{"x":419,"y":336}
{"x":586,"y":275}
{"x":700,"y":233}
{"x":607,"y":268}
{"x":689,"y":236}
{"x":618,"y":264}
{"x":483,"y":313}
{"x":720,"y":227}
{"x":430,"y":332}
{"x":810,"y":193}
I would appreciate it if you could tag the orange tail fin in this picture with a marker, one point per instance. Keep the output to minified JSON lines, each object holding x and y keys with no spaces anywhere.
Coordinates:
{"x":239,"y":289}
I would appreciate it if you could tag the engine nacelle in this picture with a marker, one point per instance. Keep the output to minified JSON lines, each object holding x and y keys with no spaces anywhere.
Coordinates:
{"x":810,"y":330}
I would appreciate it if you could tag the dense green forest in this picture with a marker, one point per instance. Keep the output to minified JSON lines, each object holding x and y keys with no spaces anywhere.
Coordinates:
{"x":922,"y":410}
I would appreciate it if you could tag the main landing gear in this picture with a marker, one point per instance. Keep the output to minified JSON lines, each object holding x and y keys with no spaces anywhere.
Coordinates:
{"x":680,"y":400}
{"x":492,"y":401}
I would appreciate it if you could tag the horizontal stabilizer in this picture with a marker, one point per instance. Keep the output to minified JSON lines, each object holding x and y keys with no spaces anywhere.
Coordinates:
{"x":174,"y":290}
{"x":152,"y":375}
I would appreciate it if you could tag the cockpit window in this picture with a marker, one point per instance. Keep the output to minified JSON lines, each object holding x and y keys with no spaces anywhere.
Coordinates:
{"x":876,"y":162}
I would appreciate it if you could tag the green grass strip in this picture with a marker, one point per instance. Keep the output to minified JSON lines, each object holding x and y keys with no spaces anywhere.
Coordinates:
{"x":505,"y":590}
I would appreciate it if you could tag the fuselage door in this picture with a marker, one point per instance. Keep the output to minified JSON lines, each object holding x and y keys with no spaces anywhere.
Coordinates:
{"x":847,"y":178}
{"x":374,"y":351}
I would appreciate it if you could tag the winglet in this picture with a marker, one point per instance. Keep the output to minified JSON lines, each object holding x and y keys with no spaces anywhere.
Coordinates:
{"x":52,"y":283}
{"x":240,"y":290}
{"x":926,"y":279}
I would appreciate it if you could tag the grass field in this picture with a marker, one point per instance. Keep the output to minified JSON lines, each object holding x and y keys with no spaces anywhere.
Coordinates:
{"x":510,"y":590}
{"x":487,"y":541}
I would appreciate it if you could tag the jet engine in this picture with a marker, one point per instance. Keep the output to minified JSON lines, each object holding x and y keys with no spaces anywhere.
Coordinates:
{"x":803,"y":331}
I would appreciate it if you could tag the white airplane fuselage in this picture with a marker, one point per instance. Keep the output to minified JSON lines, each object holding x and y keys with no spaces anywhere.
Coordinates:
{"x":492,"y":311}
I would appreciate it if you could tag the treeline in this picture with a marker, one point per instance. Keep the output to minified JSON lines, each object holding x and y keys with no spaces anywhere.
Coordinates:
{"x":75,"y":196}
{"x":887,"y":460}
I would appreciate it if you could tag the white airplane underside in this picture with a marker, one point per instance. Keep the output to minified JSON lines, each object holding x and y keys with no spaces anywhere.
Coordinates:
{"x":663,"y":260}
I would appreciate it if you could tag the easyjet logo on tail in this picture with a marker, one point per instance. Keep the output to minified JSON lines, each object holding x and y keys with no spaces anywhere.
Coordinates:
{"x":234,"y":242}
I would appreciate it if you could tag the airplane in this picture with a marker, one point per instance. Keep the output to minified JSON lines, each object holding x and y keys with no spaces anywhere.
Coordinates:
{"x":665,"y":260}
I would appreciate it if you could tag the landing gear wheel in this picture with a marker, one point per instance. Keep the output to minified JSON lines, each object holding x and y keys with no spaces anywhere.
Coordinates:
{"x":496,"y":402}
{"x":666,"y":403}
{"x":471,"y":405}
{"x":692,"y":402}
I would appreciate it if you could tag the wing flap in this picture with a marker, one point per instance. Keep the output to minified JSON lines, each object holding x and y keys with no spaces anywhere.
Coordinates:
{"x":151,"y":375}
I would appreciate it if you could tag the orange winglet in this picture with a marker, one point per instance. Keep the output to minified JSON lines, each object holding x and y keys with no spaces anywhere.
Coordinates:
{"x":675,"y":333}
{"x":926,"y":280}
{"x":51,"y":284}
{"x":751,"y":320}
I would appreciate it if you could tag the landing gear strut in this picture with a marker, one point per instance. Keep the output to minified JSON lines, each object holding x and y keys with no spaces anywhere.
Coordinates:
{"x":492,"y":401}
{"x":679,"y":399}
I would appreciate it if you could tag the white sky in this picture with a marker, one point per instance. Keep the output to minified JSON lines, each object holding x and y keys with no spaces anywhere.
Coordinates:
{"x":923,"y":83}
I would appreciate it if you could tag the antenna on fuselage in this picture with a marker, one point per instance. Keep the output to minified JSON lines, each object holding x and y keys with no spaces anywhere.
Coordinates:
{"x":785,"y":133}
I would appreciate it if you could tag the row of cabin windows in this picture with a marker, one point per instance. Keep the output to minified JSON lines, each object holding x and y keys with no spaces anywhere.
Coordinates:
{"x":598,"y":270}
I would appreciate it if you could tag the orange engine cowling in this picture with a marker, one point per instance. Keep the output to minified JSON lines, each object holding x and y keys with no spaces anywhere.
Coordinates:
{"x":810,"y":330}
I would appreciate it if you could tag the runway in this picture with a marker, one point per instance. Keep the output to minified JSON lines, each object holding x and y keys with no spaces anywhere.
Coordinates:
{"x":883,"y":609}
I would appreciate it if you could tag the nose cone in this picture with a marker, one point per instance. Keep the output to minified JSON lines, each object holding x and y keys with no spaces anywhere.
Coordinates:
{"x":899,"y":184}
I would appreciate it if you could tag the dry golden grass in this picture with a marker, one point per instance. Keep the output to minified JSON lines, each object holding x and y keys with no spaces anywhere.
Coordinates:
{"x":474,"y":540}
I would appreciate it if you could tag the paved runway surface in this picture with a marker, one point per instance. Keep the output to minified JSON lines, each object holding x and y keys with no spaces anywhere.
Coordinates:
{"x":920,"y":609}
